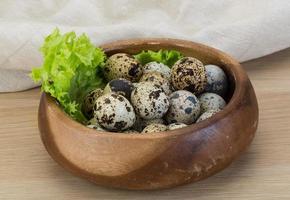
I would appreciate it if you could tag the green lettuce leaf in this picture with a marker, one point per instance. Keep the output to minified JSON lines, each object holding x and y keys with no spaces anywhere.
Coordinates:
{"x":72,"y":67}
{"x":167,"y":57}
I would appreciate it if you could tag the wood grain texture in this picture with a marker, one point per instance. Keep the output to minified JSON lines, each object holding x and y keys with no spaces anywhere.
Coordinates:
{"x":263,"y":172}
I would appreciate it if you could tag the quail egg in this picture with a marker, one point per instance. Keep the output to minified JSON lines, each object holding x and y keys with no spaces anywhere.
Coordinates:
{"x":184,"y":107}
{"x":149,"y":101}
{"x":89,"y":102}
{"x":114,"y":112}
{"x":157,"y":67}
{"x":216,"y":80}
{"x":177,"y":125}
{"x":154,"y":128}
{"x":122,"y":65}
{"x":120,"y":86}
{"x":140,"y":123}
{"x":189,"y":74}
{"x":207,"y":114}
{"x":211,"y":101}
{"x":158,"y":79}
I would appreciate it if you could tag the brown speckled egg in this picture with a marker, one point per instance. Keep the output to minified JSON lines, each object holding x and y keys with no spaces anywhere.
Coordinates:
{"x":157,"y":67}
{"x":114,"y":112}
{"x":140,"y":123}
{"x":153,"y":128}
{"x":211,"y":101}
{"x":120,"y":86}
{"x":189,"y":74}
{"x":149,"y":101}
{"x":122,"y":65}
{"x":158,"y":79}
{"x":176,"y":125}
{"x":207,"y":114}
{"x":184,"y":107}
{"x":89,"y":102}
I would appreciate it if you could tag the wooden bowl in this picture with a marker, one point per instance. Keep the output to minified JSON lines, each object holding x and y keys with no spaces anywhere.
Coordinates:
{"x":156,"y":160}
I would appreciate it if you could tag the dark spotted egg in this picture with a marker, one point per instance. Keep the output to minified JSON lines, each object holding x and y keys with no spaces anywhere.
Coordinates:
{"x":149,"y":101}
{"x":189,"y":74}
{"x":153,"y":128}
{"x":157,"y":67}
{"x":120,"y":86}
{"x":216,"y":80}
{"x":122,"y":65}
{"x":211,"y":101}
{"x":89,"y":102}
{"x":184,"y":107}
{"x":140,"y":123}
{"x":158,"y":79}
{"x":176,"y":125}
{"x":207,"y":114}
{"x":114,"y":112}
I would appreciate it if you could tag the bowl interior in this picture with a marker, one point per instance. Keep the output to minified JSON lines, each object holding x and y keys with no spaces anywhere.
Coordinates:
{"x":205,"y":54}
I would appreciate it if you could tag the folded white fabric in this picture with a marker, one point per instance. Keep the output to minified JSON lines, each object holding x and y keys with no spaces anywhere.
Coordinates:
{"x":244,"y":29}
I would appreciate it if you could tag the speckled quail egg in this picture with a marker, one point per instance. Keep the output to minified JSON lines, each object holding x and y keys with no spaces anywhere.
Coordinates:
{"x":122,"y":65}
{"x":120,"y":86}
{"x":149,"y":101}
{"x":93,"y":123}
{"x":207,"y":114}
{"x":158,"y":79}
{"x":152,"y":128}
{"x":211,"y":101}
{"x":114,"y":112}
{"x":140,"y":123}
{"x":189,"y":74}
{"x":184,"y":107}
{"x":157,"y":67}
{"x":216,"y":80}
{"x":89,"y":102}
{"x":176,"y":125}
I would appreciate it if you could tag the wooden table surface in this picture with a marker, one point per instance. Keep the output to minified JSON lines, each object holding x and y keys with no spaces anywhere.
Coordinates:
{"x":263,"y":172}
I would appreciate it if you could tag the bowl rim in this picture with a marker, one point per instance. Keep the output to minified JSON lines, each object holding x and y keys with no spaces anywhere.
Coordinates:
{"x":237,"y":72}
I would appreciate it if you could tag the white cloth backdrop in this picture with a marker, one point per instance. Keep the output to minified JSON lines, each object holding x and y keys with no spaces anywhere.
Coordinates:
{"x":245,"y":29}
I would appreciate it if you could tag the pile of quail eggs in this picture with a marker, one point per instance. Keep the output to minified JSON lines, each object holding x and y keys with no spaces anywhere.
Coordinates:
{"x":153,"y":97}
